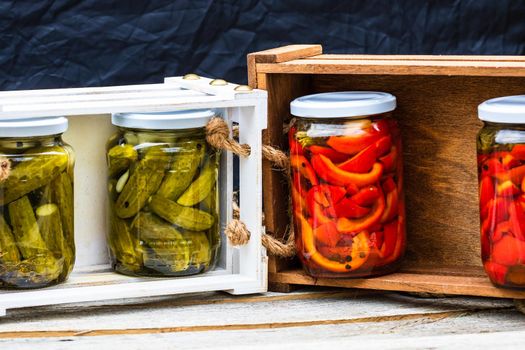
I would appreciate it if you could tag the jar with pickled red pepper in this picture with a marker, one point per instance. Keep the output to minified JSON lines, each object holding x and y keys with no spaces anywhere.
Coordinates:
{"x":37,"y":246}
{"x":501,"y":174}
{"x":347,"y":184}
{"x":163,"y":212}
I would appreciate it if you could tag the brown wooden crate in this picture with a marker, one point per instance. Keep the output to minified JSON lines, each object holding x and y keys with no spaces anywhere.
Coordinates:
{"x":437,"y":110}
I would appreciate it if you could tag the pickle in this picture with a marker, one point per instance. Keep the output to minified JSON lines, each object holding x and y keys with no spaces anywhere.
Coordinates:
{"x":33,"y":173}
{"x":50,"y":225}
{"x":30,"y":241}
{"x":62,"y":193}
{"x":124,"y":246}
{"x":119,"y":159}
{"x":183,"y":168}
{"x":186,"y":217}
{"x":144,"y":181}
{"x":199,"y":247}
{"x":200,"y":188}
{"x":170,"y":250}
{"x":9,"y":253}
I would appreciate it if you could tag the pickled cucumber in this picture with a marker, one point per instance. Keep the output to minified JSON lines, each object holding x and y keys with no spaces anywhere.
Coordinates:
{"x":185,"y":217}
{"x":29,"y":239}
{"x":169,"y":248}
{"x":40,"y":167}
{"x":201,"y":187}
{"x":144,"y":181}
{"x":123,"y":244}
{"x":199,"y":247}
{"x":119,"y":159}
{"x":50,"y":225}
{"x":9,"y":253}
{"x":183,"y":168}
{"x":62,"y":194}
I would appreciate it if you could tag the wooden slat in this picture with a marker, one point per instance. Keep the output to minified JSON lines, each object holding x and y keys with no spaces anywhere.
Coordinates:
{"x":408,"y":282}
{"x":278,"y":55}
{"x":467,"y":58}
{"x":396,"y":67}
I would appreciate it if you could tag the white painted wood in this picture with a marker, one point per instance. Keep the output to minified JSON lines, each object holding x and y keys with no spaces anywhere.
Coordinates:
{"x":311,"y":320}
{"x":239,"y":271}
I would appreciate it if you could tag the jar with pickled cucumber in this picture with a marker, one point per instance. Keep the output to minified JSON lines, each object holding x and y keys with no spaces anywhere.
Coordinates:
{"x":347,"y":184}
{"x":36,"y":203}
{"x":163,"y":212}
{"x":501,"y":174}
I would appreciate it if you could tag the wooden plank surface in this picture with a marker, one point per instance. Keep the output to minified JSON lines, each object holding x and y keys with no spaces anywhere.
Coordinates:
{"x":396,"y":67}
{"x":308,"y":319}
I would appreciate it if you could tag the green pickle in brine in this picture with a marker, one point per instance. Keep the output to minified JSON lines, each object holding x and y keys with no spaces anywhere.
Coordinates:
{"x":163,"y":212}
{"x":36,"y":214}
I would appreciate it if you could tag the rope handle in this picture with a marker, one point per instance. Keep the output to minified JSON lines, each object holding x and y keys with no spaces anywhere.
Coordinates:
{"x":218,"y":135}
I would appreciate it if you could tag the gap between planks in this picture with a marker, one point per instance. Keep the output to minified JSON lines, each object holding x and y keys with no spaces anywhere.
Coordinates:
{"x":234,"y":327}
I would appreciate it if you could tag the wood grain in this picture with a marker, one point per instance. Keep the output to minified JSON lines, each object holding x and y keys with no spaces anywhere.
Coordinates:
{"x":396,"y":67}
{"x":468,"y":58}
{"x":277,"y":55}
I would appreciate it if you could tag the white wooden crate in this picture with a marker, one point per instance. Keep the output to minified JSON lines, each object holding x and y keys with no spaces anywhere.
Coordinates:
{"x":240,"y":270}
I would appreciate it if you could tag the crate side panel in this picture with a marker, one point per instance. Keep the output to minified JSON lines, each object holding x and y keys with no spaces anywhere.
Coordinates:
{"x":438,"y":117}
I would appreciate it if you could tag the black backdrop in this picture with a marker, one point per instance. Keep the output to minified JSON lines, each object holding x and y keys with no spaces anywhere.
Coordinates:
{"x":70,"y":43}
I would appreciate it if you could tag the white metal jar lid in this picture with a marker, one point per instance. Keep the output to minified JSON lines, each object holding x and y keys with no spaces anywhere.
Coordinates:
{"x":343,"y":104}
{"x":28,"y":127}
{"x":185,"y":119}
{"x":509,"y":109}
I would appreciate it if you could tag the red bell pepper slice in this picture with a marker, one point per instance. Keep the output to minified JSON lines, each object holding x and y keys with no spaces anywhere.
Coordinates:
{"x":389,"y":161}
{"x":516,"y":220}
{"x":329,"y":172}
{"x":493,"y":167}
{"x":502,"y":229}
{"x":516,"y":175}
{"x":507,"y":189}
{"x":377,"y":239}
{"x":295,"y":147}
{"x":486,"y":190}
{"x":351,"y":189}
{"x":518,"y":151}
{"x":345,"y":225}
{"x":496,"y":272}
{"x":301,"y":164}
{"x":348,"y":208}
{"x":356,"y":258}
{"x":327,"y":234}
{"x":392,"y":201}
{"x":366,"y":196}
{"x":361,"y":162}
{"x":383,"y":145}
{"x":496,"y":211}
{"x":508,"y":251}
{"x":389,"y":245}
{"x":353,"y":144}
{"x":328,"y":195}
{"x":509,"y":161}
{"x":381,"y":126}
{"x":333,"y":155}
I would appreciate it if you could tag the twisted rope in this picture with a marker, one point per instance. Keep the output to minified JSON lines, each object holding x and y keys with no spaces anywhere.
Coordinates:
{"x":5,"y":169}
{"x":218,"y":135}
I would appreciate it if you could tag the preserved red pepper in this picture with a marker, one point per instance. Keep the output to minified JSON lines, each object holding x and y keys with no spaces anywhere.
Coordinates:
{"x":347,"y":194}
{"x":501,"y":173}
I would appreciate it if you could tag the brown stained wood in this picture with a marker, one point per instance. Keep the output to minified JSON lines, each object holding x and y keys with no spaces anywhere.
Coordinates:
{"x":396,"y":67}
{"x":278,"y":55}
{"x":468,"y":58}
{"x":409,"y":282}
{"x":281,"y":90}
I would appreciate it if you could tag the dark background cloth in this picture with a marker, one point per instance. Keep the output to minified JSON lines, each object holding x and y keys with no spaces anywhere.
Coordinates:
{"x":72,"y":43}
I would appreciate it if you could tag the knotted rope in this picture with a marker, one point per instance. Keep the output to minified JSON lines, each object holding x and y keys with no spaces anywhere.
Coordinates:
{"x":218,"y":135}
{"x":5,"y":169}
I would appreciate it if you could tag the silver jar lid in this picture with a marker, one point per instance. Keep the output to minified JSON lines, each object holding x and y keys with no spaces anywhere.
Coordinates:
{"x":345,"y":104}
{"x":508,"y":109}
{"x":185,"y":119}
{"x":28,"y":127}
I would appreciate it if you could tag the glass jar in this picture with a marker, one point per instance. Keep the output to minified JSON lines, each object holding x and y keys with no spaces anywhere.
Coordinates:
{"x":163,"y":194}
{"x":347,"y":184}
{"x":501,"y":174}
{"x":37,"y":246}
